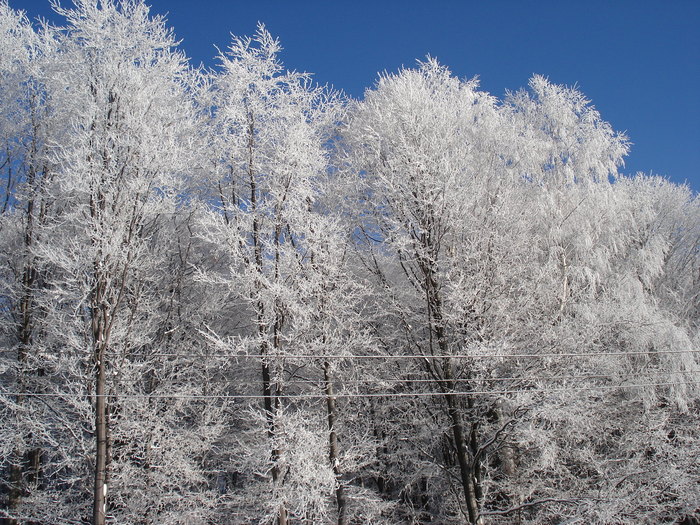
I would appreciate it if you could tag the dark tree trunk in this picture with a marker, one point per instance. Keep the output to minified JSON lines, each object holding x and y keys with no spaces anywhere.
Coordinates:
{"x":17,"y":477}
{"x":466,"y":443}
{"x":271,"y":398}
{"x":100,"y":488}
{"x":333,"y":448}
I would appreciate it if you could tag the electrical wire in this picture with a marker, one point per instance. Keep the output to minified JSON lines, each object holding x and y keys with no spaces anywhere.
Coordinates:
{"x":412,"y":356}
{"x":219,"y":380}
{"x":349,"y":395}
{"x":398,"y":356}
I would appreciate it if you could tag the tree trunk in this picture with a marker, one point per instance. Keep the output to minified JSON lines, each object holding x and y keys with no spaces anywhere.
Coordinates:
{"x":15,"y":487}
{"x":333,"y":449}
{"x":100,"y":336}
{"x":100,"y":489}
{"x":464,"y":457}
{"x":465,"y":444}
{"x":271,"y":404}
{"x":25,"y":339}
{"x":270,"y":398}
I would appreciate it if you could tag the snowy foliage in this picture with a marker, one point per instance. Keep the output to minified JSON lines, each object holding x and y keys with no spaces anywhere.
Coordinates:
{"x":233,"y":296}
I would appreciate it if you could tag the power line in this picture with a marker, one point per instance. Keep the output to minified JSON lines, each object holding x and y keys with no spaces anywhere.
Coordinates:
{"x":412,"y":356}
{"x":397,"y":356}
{"x":351,"y":395}
{"x":220,"y":380}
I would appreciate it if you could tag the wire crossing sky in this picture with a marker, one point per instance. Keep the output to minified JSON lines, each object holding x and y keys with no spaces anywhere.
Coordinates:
{"x":639,"y":62}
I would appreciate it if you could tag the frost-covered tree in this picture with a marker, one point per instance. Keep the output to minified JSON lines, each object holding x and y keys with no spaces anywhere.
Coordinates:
{"x":120,"y":90}
{"x":501,"y":234}
{"x":227,"y":296}
{"x":125,"y":90}
{"x":28,"y":124}
{"x":267,"y":137}
{"x":430,"y":151}
{"x":596,"y":306}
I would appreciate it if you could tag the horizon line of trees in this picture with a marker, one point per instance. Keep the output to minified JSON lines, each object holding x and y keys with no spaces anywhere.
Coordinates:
{"x":234,"y":296}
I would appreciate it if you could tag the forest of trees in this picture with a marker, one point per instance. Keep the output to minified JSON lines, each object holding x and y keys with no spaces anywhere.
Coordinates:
{"x":232,"y":296}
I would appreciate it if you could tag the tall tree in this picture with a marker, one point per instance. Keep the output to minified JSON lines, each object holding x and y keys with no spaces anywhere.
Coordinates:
{"x":268,"y":135}
{"x":438,"y":190}
{"x":122,"y":91}
{"x":28,"y":125}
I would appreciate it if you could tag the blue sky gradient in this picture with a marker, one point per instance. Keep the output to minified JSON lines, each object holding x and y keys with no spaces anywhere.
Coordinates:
{"x":638,"y":61}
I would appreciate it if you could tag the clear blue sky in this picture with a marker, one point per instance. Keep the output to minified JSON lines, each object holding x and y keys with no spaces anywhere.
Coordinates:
{"x":638,"y":61}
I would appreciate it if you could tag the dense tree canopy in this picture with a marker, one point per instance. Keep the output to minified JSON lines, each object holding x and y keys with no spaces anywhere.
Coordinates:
{"x":233,"y":296}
